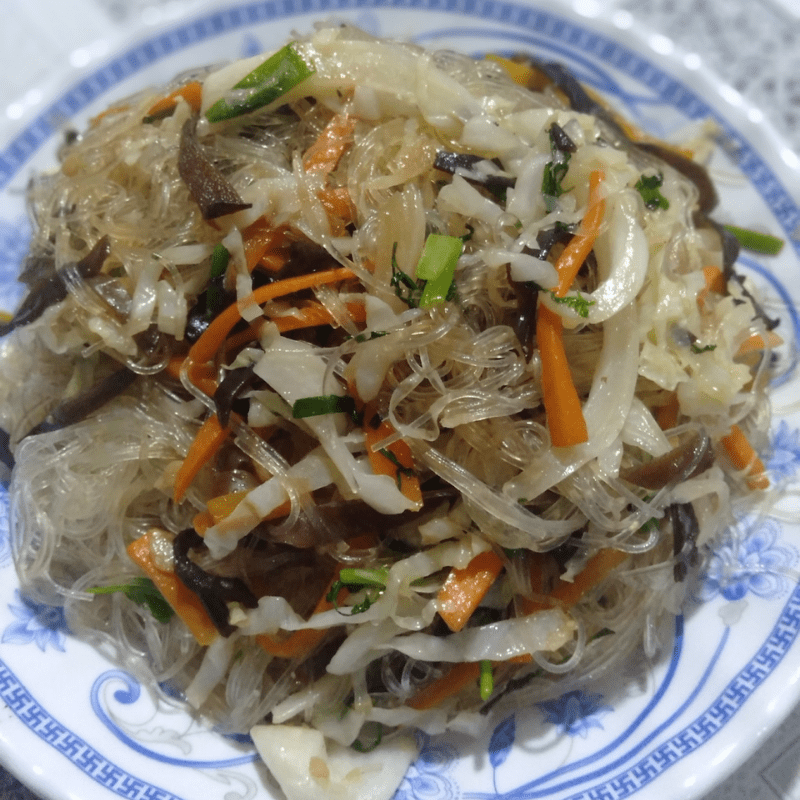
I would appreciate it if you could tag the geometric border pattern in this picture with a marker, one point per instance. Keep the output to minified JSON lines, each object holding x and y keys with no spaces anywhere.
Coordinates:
{"x":725,"y":706}
{"x":523,"y":18}
{"x":85,"y":757}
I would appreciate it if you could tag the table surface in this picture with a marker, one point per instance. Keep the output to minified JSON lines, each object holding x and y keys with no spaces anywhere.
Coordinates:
{"x":754,"y":45}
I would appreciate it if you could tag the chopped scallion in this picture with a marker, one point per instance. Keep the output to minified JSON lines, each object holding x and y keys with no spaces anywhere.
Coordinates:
{"x":356,"y":576}
{"x":762,"y":243}
{"x":437,"y":266}
{"x":275,"y":77}
{"x":486,"y":680}
{"x":141,"y":591}
{"x":219,"y":260}
{"x":322,"y":404}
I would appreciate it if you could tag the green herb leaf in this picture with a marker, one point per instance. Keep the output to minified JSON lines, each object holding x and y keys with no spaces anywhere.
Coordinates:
{"x":762,"y":243}
{"x":141,"y":591}
{"x":486,"y":680}
{"x":696,"y":348}
{"x":275,"y":77}
{"x":323,"y":404}
{"x":219,"y":260}
{"x":649,"y":188}
{"x":554,"y":173}
{"x":578,"y":303}
{"x":401,"y":470}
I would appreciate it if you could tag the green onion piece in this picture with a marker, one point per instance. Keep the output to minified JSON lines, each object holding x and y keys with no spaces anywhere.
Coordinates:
{"x":322,"y":404}
{"x":762,"y":243}
{"x":141,"y":591}
{"x":275,"y":77}
{"x":649,"y":188}
{"x":357,"y":576}
{"x":372,"y":742}
{"x":437,"y":266}
{"x":219,"y":260}
{"x":487,"y":679}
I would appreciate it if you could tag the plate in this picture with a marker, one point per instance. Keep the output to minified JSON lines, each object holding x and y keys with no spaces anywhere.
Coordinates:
{"x":75,"y":725}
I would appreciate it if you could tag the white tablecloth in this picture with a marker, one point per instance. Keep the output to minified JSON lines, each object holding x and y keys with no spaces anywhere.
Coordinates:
{"x":754,"y":45}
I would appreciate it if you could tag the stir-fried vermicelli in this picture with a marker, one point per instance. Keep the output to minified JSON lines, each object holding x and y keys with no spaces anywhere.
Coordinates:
{"x":368,"y":385}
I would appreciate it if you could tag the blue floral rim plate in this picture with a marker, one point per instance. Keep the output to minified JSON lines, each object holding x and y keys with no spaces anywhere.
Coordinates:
{"x":75,"y":725}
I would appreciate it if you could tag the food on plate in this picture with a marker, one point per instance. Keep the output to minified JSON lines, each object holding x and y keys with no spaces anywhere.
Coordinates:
{"x":361,"y":388}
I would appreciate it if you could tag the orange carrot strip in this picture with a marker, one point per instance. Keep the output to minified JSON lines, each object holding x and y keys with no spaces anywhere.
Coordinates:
{"x":408,"y":482}
{"x":759,"y":341}
{"x":300,"y":642}
{"x":744,"y":457}
{"x":464,"y":588}
{"x":568,"y":593}
{"x":562,"y":405}
{"x":714,"y":282}
{"x":452,"y":682}
{"x":581,"y":244}
{"x":335,"y":138}
{"x":186,"y":603}
{"x":192,"y":93}
{"x":214,"y":335}
{"x":338,"y":207}
{"x":262,"y":238}
{"x":207,"y":442}
{"x":202,"y":522}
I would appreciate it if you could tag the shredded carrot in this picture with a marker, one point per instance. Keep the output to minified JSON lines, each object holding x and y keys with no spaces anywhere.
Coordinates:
{"x":192,"y":93}
{"x":452,"y":682}
{"x":213,"y":337}
{"x":185,"y":602}
{"x":208,"y":441}
{"x":576,"y":252}
{"x":562,"y":405}
{"x":759,"y":341}
{"x":464,"y":589}
{"x":667,"y":415}
{"x":335,"y":138}
{"x":399,"y":464}
{"x":714,"y":282}
{"x":568,"y":593}
{"x":299,"y":643}
{"x":744,"y":457}
{"x":338,"y":207}
{"x":265,"y":244}
{"x":202,"y":521}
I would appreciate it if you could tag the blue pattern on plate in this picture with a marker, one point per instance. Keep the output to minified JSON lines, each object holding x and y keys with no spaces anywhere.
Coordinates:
{"x":427,"y":778}
{"x":5,"y":529}
{"x":15,"y":237}
{"x":80,"y":753}
{"x":784,"y":460}
{"x":37,"y":623}
{"x":430,"y":777}
{"x":575,"y":713}
{"x":128,"y":696}
{"x":749,"y":560}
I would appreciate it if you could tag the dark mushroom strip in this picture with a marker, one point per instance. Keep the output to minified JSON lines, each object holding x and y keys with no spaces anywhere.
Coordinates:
{"x":5,"y":450}
{"x":464,"y":164}
{"x":230,"y":388}
{"x":214,"y":591}
{"x":76,"y":409}
{"x":52,"y":290}
{"x":524,"y":321}
{"x":685,"y":529}
{"x":691,"y":457}
{"x":209,"y":188}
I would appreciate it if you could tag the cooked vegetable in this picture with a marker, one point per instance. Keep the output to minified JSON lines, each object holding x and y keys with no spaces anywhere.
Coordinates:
{"x":438,"y":379}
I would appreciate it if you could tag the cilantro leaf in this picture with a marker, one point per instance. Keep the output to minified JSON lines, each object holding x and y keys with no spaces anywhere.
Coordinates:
{"x":143,"y":592}
{"x":649,"y":188}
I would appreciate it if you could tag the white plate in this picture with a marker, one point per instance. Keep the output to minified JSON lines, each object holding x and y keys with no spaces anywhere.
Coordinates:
{"x":73,"y":725}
